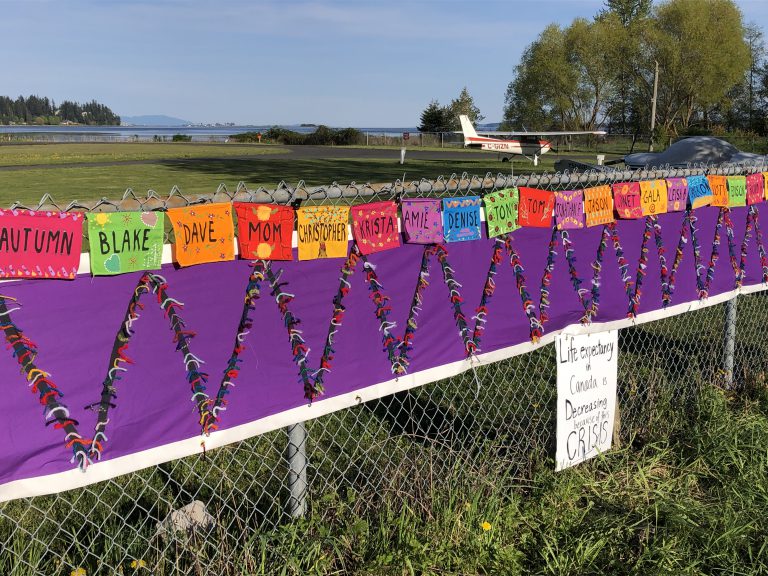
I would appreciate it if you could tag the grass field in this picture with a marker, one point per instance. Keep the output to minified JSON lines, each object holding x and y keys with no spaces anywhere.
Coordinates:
{"x":56,"y":169}
{"x":63,"y":154}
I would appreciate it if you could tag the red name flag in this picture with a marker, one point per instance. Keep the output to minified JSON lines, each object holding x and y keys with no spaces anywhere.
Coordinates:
{"x":755,"y":188}
{"x":626,"y":199}
{"x":40,"y":244}
{"x":374,"y":226}
{"x":264,"y":231}
{"x":535,"y":207}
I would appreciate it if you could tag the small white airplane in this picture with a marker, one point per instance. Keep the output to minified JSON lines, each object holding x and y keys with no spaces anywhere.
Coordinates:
{"x":528,"y":143}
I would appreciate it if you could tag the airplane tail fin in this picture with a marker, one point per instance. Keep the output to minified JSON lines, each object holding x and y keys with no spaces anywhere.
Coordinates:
{"x":467,"y":128}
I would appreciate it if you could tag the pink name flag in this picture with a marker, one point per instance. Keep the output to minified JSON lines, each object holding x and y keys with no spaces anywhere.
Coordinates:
{"x":421,"y":221}
{"x":40,"y":244}
{"x":754,"y":188}
{"x":569,"y":209}
{"x":626,"y":199}
{"x":677,"y":194}
{"x":374,"y":226}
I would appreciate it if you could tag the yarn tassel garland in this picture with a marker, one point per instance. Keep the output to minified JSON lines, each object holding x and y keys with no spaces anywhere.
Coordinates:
{"x":760,"y":245}
{"x":232,"y":369}
{"x":49,"y":395}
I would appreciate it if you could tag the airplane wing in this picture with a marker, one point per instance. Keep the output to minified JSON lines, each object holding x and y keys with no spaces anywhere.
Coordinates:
{"x":469,"y":131}
{"x":543,"y":133}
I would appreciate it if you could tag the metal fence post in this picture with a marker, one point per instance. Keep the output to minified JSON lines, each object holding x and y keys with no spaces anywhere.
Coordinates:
{"x":729,"y":342}
{"x":297,"y":470}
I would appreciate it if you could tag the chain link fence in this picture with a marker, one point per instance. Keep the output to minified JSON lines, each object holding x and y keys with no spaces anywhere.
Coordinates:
{"x":212,"y":514}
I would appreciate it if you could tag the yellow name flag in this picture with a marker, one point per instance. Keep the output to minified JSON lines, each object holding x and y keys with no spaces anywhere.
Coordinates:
{"x":653,"y":197}
{"x":322,"y":231}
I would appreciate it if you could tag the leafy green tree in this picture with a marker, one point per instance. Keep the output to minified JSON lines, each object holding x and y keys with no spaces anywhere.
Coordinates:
{"x":601,"y":72}
{"x":627,"y":11}
{"x":698,"y":66}
{"x":435,"y":118}
{"x":628,"y":111}
{"x":745,"y":106}
{"x":566,"y":78}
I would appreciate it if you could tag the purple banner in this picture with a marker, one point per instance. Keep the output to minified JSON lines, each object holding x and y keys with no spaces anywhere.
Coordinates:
{"x":162,"y":397}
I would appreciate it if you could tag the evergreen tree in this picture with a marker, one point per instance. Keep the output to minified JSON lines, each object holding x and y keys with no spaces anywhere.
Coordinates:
{"x":434,"y":118}
{"x":464,"y":104}
{"x":37,"y":110}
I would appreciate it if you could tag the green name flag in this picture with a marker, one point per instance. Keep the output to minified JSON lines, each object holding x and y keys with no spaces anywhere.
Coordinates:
{"x":737,"y":191}
{"x":123,"y":242}
{"x":501,"y":211}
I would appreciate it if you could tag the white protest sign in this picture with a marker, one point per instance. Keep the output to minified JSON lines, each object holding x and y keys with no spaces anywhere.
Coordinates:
{"x":586,"y":395}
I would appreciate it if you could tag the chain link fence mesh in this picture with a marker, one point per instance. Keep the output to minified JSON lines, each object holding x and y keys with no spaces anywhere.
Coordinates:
{"x":208,"y":514}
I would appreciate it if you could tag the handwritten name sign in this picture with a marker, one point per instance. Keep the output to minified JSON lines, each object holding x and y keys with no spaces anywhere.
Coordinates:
{"x":737,"y":191}
{"x":677,"y":194}
{"x":421,"y":221}
{"x":765,"y":183}
{"x":322,"y":231}
{"x":501,"y":211}
{"x":264,"y":231}
{"x":719,"y":188}
{"x":626,"y":195}
{"x":598,"y":205}
{"x":461,"y":218}
{"x":40,"y":244}
{"x":204,"y":233}
{"x":569,"y":209}
{"x":653,"y":197}
{"x":699,"y":192}
{"x":755,"y":188}
{"x":536,"y":207}
{"x":374,"y":226}
{"x":123,"y":242}
{"x":586,"y":395}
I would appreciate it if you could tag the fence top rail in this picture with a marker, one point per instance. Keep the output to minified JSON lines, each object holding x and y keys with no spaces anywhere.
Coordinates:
{"x":335,"y":193}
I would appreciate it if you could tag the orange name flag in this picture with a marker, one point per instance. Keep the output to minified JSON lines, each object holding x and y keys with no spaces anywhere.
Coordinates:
{"x":598,"y":205}
{"x":719,"y":187}
{"x":204,"y":233}
{"x":653,"y":197}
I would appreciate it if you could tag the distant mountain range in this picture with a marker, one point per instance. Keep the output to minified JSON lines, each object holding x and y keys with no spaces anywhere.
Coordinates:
{"x":153,"y":120}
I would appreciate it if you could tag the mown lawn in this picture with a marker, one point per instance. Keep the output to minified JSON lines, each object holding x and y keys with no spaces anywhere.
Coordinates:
{"x":63,"y":154}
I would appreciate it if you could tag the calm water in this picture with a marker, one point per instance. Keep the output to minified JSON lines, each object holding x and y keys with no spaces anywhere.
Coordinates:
{"x":148,"y":133}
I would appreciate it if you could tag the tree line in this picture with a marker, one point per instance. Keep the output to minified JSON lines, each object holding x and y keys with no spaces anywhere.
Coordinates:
{"x":437,"y":118}
{"x":37,"y":110}
{"x":599,"y":73}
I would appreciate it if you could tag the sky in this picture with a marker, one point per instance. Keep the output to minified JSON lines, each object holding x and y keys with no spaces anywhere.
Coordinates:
{"x":361,"y":63}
